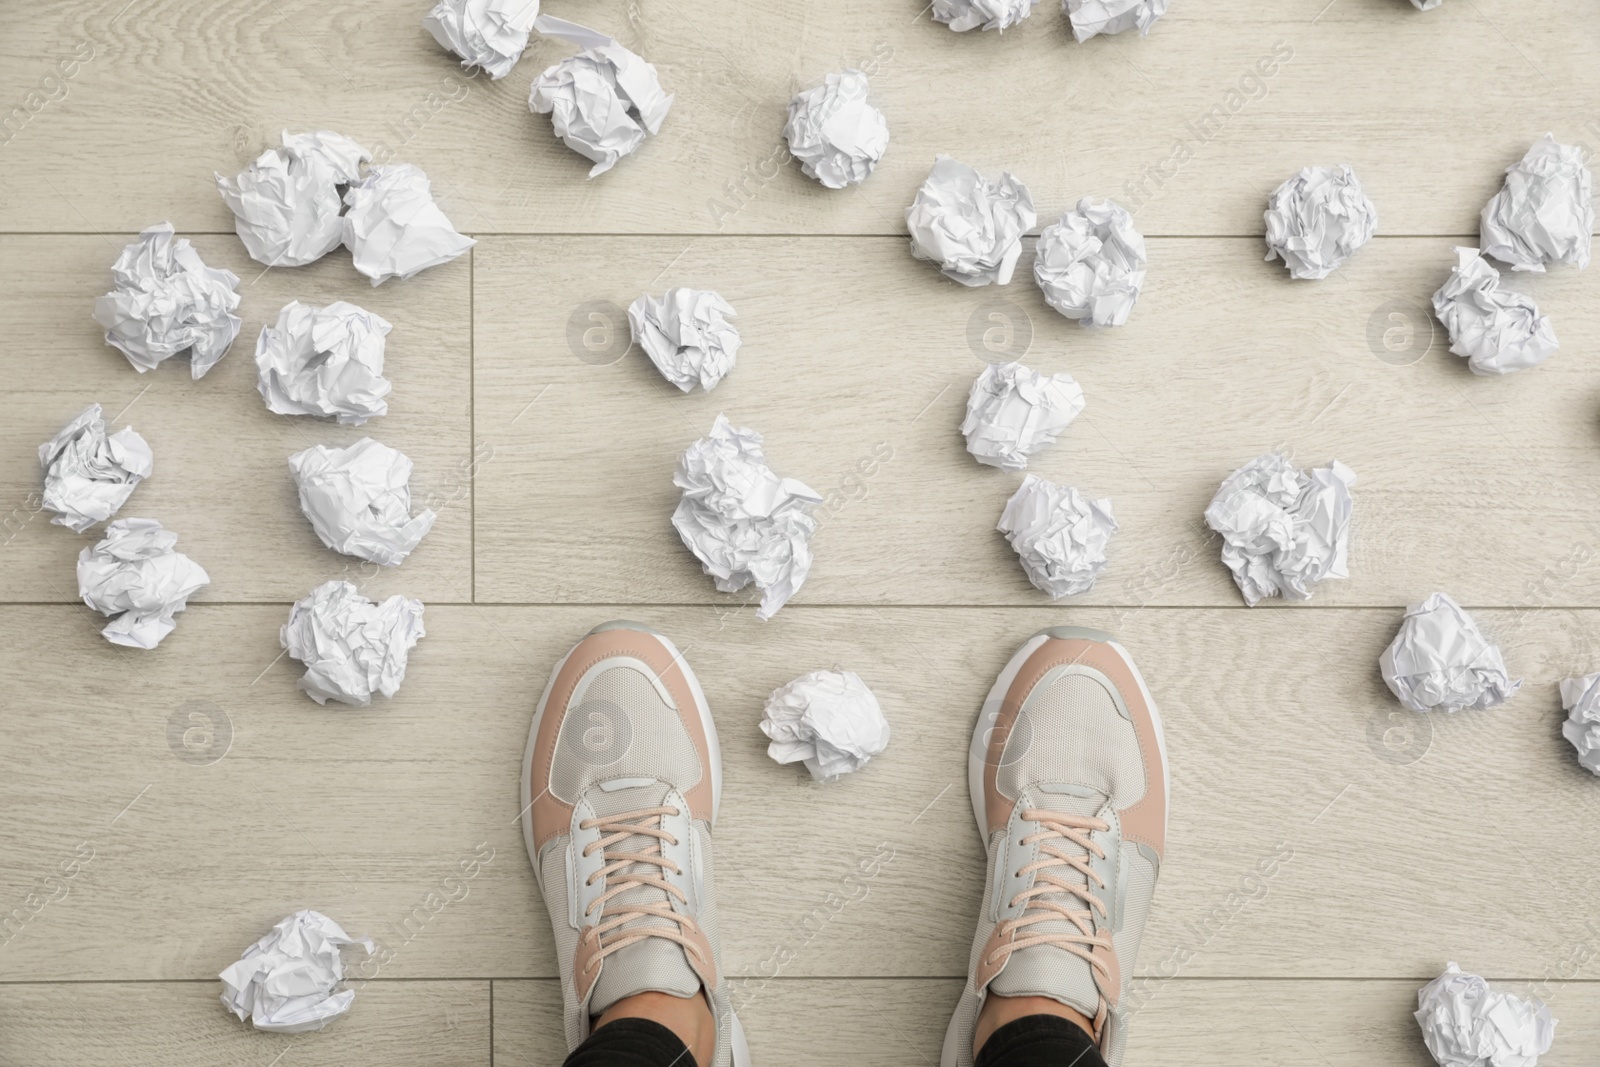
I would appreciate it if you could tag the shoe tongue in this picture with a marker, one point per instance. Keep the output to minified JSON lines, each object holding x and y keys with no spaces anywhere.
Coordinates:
{"x":1045,"y":970}
{"x":653,"y":964}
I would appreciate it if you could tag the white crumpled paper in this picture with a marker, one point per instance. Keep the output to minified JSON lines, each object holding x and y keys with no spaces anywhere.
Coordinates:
{"x":743,"y":522}
{"x":350,"y":646}
{"x":1092,"y":17}
{"x":485,"y":33}
{"x":687,"y":336}
{"x":324,"y":361}
{"x":286,"y":204}
{"x":1464,"y":1024}
{"x":1014,"y":412}
{"x":829,"y":719}
{"x":1058,"y":534}
{"x":393,"y":228}
{"x":963,"y":15}
{"x":1439,"y":661}
{"x":1580,"y":698}
{"x":1283,"y":529}
{"x":284,"y":982}
{"x":835,"y":134}
{"x":1091,"y":264}
{"x":137,"y":576}
{"x":600,"y":101}
{"x":167,"y":301}
{"x":1316,"y":219}
{"x":970,"y":226}
{"x":89,"y":474}
{"x":1544,"y":213}
{"x":359,"y":501}
{"x":1497,"y":330}
{"x":1426,"y":5}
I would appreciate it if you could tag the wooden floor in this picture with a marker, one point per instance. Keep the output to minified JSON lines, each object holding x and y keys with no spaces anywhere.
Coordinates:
{"x":1409,"y":841}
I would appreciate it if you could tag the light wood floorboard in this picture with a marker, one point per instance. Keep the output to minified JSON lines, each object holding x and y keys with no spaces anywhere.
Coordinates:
{"x":856,"y":365}
{"x":1306,"y":804}
{"x":1428,"y":108}
{"x":1204,"y":1023}
{"x":221,"y":475}
{"x":179,"y":1024}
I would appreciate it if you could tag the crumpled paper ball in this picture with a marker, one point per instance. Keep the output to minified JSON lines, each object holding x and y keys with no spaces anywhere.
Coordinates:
{"x":835,"y":134}
{"x":350,"y":646}
{"x":1092,"y":17}
{"x":167,"y":301}
{"x":1316,"y":219}
{"x":89,"y":474}
{"x":829,"y":719}
{"x":393,"y":228}
{"x":137,"y":576}
{"x":1058,"y":534}
{"x":687,"y":336}
{"x":324,"y":361}
{"x":1283,"y":529}
{"x":1497,"y":330}
{"x":1464,"y":1024}
{"x":971,"y":226}
{"x":1014,"y":412}
{"x":490,"y":34}
{"x":286,"y":204}
{"x":964,"y":15}
{"x":603,"y":100}
{"x":284,"y":982}
{"x":1426,"y":5}
{"x":1439,"y":661}
{"x":1544,"y":213}
{"x":744,"y":523}
{"x":359,"y":500}
{"x":1091,"y":264}
{"x":1580,"y":698}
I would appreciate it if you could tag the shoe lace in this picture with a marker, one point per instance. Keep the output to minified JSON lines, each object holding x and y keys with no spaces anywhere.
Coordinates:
{"x":1041,"y":901}
{"x":624,"y":870}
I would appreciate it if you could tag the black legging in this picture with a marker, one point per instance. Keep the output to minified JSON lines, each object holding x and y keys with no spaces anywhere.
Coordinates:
{"x":1032,"y":1041}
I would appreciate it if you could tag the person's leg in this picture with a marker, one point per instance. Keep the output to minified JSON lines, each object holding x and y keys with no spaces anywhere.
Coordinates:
{"x":630,"y":1042}
{"x":620,"y":787}
{"x":1033,"y":1032}
{"x":1068,"y":778}
{"x":1040,"y":1041}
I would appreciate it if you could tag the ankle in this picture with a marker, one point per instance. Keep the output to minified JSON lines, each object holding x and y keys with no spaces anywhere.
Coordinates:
{"x":998,"y":1011}
{"x":689,"y":1018}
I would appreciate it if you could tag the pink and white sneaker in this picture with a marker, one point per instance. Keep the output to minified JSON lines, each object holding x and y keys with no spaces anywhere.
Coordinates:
{"x":1068,"y":776}
{"x":620,"y":786}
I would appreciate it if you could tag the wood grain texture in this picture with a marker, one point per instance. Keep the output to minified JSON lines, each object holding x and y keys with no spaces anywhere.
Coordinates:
{"x":221,"y":476}
{"x":901,"y":1022}
{"x":1312,"y":819}
{"x":1428,"y":108}
{"x":1328,"y":853}
{"x":856,"y":365}
{"x":177,"y":1024}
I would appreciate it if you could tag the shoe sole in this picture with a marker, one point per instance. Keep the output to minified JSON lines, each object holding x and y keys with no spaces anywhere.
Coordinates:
{"x":740,"y":1047}
{"x":977,"y":755}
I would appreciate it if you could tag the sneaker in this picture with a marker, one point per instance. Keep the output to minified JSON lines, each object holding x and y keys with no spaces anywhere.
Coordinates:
{"x":1068,"y":775}
{"x":620,"y":785}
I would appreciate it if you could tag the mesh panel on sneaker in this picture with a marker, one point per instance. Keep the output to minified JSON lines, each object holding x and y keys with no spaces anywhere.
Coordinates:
{"x":553,"y":877}
{"x":1141,"y":874}
{"x":1074,"y":734}
{"x":622,"y":728}
{"x":965,"y":1022}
